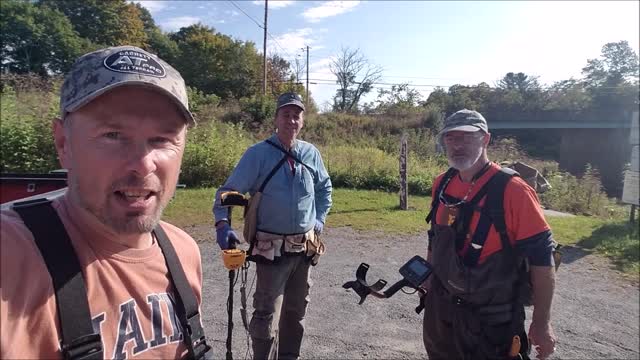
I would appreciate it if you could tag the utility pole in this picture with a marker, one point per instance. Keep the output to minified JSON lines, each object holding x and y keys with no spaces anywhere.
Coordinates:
{"x":306,"y":99}
{"x":264,"y":50}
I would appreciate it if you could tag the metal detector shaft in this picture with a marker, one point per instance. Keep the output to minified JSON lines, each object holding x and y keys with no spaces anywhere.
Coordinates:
{"x":231,"y":199}
{"x":232,"y":276}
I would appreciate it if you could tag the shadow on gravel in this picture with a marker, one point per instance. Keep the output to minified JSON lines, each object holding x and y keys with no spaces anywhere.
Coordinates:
{"x":572,"y":253}
{"x":619,"y":242}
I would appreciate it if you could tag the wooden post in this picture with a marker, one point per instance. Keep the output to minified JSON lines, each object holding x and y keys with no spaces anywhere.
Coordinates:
{"x":404,"y":204}
{"x":632,"y":214}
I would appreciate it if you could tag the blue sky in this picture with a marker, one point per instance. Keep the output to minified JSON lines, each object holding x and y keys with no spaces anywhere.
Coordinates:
{"x":423,"y":43}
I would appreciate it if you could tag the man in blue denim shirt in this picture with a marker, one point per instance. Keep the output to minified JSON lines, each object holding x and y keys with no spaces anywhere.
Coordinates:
{"x":293,"y":206}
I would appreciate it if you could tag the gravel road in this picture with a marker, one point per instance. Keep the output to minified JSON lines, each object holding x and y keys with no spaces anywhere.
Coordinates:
{"x":595,"y":311}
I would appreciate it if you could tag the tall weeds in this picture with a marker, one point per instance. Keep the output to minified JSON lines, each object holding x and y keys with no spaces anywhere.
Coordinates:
{"x":359,"y":151}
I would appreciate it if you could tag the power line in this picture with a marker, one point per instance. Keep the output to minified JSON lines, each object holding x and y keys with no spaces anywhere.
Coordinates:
{"x":247,"y":15}
{"x":261,"y":27}
{"x":278,"y":44}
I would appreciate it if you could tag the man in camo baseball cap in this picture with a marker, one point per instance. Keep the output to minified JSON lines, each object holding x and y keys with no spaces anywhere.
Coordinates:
{"x":122,"y":138}
{"x":98,"y":72}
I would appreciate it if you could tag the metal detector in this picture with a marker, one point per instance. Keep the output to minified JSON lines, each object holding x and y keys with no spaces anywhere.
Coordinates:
{"x":414,"y":272}
{"x":233,"y":259}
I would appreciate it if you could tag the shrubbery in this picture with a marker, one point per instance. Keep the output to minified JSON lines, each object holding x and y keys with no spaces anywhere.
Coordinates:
{"x":25,"y":131}
{"x":582,"y":196}
{"x":359,"y":151}
{"x":374,"y":169}
{"x":211,"y":153}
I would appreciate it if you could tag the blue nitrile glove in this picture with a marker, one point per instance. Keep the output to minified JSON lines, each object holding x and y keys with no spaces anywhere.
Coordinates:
{"x":317,"y":228}
{"x":226,"y":237}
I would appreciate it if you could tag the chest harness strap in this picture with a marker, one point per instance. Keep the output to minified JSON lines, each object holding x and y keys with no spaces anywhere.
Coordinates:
{"x":79,"y":340}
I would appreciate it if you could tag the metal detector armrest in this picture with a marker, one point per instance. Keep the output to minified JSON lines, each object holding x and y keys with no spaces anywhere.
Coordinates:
{"x":233,"y":198}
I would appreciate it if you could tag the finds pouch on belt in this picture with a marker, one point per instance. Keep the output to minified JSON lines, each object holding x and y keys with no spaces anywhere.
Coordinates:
{"x":270,"y":246}
{"x":315,"y":248}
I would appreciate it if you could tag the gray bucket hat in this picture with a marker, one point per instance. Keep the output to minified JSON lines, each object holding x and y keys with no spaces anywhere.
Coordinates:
{"x":98,"y":72}
{"x":290,"y":99}
{"x":464,"y":120}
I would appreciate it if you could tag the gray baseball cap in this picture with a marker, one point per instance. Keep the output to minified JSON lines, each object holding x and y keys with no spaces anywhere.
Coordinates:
{"x":465,"y":120}
{"x":98,"y":72}
{"x":290,"y":99}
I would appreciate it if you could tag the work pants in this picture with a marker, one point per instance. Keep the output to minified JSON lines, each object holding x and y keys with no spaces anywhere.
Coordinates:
{"x":280,"y":303}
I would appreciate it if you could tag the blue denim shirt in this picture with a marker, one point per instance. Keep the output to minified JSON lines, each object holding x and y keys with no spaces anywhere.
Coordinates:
{"x":291,"y":202}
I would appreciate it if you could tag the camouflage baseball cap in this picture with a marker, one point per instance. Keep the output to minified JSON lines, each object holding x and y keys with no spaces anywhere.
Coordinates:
{"x":465,"y":120}
{"x":290,"y":99}
{"x":98,"y":72}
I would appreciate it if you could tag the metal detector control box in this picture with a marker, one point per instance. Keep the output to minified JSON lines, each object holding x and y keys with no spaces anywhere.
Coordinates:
{"x":416,"y":271}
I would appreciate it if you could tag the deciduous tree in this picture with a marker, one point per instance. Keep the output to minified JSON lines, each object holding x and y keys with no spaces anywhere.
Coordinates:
{"x":37,"y":39}
{"x":355,"y":76}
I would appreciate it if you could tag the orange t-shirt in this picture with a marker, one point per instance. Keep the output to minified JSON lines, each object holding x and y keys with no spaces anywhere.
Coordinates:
{"x":131,"y":298}
{"x":523,"y":215}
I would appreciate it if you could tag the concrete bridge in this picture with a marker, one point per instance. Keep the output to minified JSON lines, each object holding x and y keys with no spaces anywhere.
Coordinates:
{"x":601,"y":140}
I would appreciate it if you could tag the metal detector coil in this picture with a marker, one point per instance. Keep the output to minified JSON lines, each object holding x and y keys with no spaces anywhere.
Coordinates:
{"x":233,"y":258}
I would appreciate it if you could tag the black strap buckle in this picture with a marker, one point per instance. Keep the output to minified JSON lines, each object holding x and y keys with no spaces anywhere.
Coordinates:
{"x":194,"y":335}
{"x":84,"y":347}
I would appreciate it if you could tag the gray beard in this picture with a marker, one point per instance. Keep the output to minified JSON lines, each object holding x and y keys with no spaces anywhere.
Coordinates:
{"x":467,"y":163}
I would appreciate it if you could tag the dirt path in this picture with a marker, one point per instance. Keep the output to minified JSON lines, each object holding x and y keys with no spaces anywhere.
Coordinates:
{"x":595,"y":310}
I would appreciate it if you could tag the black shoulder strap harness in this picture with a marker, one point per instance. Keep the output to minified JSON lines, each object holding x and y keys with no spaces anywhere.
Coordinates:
{"x":291,"y":155}
{"x":491,"y":213}
{"x":282,"y":161}
{"x":79,"y":340}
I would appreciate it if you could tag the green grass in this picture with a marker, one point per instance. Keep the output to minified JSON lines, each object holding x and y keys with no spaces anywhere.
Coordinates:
{"x":379,"y":211}
{"x":190,"y":207}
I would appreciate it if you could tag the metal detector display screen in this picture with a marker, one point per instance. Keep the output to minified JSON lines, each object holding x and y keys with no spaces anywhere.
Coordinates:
{"x":416,"y":270}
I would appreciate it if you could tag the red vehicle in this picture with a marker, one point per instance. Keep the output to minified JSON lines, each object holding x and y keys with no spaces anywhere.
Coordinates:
{"x":21,"y":186}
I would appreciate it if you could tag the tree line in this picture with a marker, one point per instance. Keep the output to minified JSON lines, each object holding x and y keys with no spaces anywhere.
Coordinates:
{"x":609,"y":84}
{"x":45,"y":37}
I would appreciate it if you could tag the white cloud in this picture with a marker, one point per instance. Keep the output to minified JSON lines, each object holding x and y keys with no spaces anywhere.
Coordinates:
{"x":322,"y":91}
{"x":293,"y":42}
{"x":231,"y":12}
{"x":274,"y":4}
{"x":154,"y":7}
{"x":173,"y":24}
{"x":328,"y":9}
{"x":321,"y":70}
